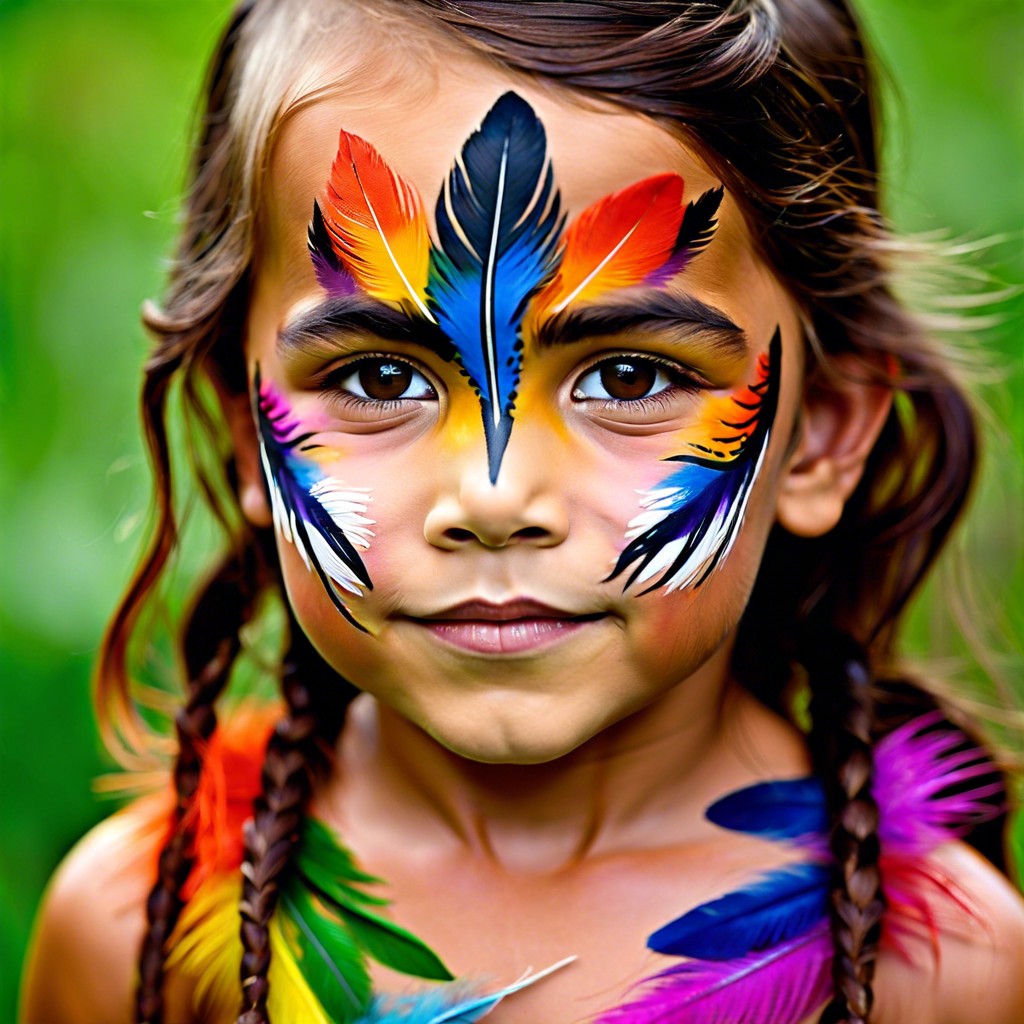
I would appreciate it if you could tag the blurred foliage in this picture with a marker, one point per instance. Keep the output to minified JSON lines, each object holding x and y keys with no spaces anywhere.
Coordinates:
{"x":97,"y":100}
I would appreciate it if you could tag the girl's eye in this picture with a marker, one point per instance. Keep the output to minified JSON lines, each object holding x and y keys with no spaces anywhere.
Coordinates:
{"x":623,"y":379}
{"x":379,"y":379}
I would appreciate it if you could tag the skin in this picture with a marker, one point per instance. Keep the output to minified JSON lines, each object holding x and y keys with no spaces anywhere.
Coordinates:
{"x":555,"y":799}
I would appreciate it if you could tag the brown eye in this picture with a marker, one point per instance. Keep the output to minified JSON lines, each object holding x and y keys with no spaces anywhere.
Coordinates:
{"x":625,"y":380}
{"x":622,"y":379}
{"x":384,"y":380}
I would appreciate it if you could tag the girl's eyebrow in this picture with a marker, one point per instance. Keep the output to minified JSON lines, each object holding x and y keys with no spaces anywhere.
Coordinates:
{"x":659,"y":311}
{"x":362,"y":314}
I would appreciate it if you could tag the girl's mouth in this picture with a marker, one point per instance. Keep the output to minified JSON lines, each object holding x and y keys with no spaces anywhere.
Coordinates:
{"x":513,"y":627}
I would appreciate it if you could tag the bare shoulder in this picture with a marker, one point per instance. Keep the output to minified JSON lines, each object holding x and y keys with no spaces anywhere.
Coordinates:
{"x":81,"y":965}
{"x":976,"y":973}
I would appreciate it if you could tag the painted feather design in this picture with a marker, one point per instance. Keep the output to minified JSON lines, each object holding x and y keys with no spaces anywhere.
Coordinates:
{"x":324,"y":519}
{"x":688,"y":525}
{"x":640,"y":235}
{"x":376,"y":226}
{"x":330,"y":272}
{"x":498,"y":224}
{"x":762,"y":954}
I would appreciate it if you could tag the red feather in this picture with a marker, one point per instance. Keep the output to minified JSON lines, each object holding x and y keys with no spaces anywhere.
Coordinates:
{"x":619,"y":241}
{"x":377,"y":226}
{"x":232,"y":761}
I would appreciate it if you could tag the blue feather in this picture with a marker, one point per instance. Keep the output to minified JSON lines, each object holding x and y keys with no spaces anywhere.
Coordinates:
{"x":786,"y":809}
{"x":498,"y":224}
{"x":450,"y":1004}
{"x":777,"y":907}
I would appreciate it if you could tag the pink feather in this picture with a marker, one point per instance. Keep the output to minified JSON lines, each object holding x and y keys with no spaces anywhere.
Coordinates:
{"x":781,"y":985}
{"x":917,"y":772}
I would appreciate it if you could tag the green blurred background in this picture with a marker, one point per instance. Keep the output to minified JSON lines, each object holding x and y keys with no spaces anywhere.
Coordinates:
{"x":97,"y":96}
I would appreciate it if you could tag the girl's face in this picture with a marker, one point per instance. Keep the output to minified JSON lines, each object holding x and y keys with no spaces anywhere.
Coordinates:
{"x":522,"y":483}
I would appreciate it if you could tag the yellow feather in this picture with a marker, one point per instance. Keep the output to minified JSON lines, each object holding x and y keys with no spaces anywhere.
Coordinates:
{"x":206,"y":951}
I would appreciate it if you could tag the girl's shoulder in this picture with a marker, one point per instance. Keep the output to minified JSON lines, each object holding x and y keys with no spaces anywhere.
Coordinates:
{"x":81,"y":966}
{"x":967,"y":965}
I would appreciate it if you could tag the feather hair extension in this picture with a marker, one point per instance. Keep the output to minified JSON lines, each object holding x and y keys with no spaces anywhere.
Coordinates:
{"x":451,"y":1004}
{"x":324,"y":519}
{"x":780,"y":985}
{"x":774,"y":908}
{"x":377,"y":227}
{"x":777,"y":809}
{"x":498,"y":223}
{"x":688,"y":525}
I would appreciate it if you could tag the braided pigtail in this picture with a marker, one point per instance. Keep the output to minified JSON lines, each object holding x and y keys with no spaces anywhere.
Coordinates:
{"x":843,"y":725}
{"x":211,"y":644}
{"x":301,"y":744}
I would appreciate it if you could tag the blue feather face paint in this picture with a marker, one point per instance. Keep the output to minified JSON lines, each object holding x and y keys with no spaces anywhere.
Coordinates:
{"x":689,"y":524}
{"x":497,"y":223}
{"x":324,"y":519}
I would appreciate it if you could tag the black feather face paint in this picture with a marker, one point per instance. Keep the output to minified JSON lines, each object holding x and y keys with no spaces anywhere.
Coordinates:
{"x":689,"y":524}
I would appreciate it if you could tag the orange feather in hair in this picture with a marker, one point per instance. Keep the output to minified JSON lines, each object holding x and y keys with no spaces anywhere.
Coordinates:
{"x":619,"y":241}
{"x":377,"y":226}
{"x":232,"y":761}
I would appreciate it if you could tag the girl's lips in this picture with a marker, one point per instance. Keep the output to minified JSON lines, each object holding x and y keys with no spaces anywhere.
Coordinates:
{"x":504,"y":637}
{"x":512,"y":627}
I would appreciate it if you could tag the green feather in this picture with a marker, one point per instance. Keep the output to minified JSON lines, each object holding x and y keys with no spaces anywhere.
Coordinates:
{"x":327,"y":953}
{"x":327,"y":869}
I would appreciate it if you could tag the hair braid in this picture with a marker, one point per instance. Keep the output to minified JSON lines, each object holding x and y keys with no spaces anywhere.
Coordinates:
{"x":211,"y":644}
{"x":843,"y":717}
{"x":302,"y":742}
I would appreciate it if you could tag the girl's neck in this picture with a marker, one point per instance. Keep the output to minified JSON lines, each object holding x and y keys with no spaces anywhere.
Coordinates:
{"x":642,"y":783}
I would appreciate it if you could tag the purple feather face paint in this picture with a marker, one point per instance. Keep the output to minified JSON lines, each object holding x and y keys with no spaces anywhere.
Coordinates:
{"x":325,"y":520}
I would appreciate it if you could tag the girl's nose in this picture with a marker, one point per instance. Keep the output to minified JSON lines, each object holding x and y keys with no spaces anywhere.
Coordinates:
{"x":525,"y":506}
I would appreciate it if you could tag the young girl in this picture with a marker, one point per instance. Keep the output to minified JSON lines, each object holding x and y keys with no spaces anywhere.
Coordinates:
{"x":573,"y":418}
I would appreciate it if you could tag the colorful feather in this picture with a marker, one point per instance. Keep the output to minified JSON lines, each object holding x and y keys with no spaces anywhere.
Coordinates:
{"x":323,"y":518}
{"x":779,"y":906}
{"x":640,"y":235}
{"x":330,"y":273}
{"x":335,"y":928}
{"x":497,"y":226}
{"x":452,"y":1004}
{"x":206,"y":949}
{"x":779,"y":809}
{"x":780,"y":985}
{"x":229,"y":782}
{"x":689,"y":524}
{"x":932,"y":785}
{"x":377,"y":227}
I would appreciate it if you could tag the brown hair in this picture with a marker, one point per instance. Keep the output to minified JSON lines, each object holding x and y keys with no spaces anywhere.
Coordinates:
{"x":778,"y":97}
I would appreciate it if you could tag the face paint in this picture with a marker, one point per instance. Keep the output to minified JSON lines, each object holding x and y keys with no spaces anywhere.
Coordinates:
{"x":324,"y":519}
{"x":689,"y":524}
{"x":497,"y":271}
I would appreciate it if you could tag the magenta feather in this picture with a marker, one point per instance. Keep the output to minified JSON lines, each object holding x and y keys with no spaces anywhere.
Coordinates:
{"x":781,"y":985}
{"x":925,"y":786}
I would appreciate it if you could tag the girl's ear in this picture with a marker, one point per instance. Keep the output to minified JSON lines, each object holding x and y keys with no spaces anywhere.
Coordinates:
{"x":841,"y":417}
{"x":252,"y":496}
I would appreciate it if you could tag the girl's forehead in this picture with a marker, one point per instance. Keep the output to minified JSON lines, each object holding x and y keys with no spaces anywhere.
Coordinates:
{"x":419,"y":124}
